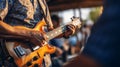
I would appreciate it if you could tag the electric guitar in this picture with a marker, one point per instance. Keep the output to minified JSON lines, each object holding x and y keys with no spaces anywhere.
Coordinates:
{"x":25,"y":57}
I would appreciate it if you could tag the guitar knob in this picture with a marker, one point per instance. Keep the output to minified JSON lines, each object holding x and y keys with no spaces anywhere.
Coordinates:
{"x":73,"y":18}
{"x":36,"y":65}
{"x":29,"y":63}
{"x":35,"y":58}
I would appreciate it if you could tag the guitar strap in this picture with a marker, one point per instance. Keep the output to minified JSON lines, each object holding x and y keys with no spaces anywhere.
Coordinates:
{"x":45,"y":12}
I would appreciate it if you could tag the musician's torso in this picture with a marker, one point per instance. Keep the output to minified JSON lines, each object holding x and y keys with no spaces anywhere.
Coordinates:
{"x":22,"y":12}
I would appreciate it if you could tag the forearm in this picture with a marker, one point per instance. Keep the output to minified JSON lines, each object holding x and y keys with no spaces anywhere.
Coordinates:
{"x":8,"y":31}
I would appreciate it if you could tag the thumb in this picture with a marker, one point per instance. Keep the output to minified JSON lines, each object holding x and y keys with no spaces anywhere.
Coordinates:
{"x":50,"y":28}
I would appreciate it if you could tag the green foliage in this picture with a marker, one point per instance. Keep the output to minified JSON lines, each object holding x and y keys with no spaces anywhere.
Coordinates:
{"x":94,"y":14}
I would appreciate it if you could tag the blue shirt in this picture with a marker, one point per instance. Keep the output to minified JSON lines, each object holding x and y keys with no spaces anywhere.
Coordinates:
{"x":20,"y":12}
{"x":56,"y":42}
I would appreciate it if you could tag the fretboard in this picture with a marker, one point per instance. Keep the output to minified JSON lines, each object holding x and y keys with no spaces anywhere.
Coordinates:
{"x":56,"y":32}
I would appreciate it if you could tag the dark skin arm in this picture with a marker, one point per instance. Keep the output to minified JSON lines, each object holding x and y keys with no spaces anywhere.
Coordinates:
{"x":7,"y":31}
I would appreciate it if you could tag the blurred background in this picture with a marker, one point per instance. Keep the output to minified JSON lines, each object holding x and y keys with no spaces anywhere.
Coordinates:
{"x":61,"y":12}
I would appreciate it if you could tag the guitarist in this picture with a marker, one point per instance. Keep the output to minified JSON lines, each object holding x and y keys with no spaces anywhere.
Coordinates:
{"x":25,"y":13}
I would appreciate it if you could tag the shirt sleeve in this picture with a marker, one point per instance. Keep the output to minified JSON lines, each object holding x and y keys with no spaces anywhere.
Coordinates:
{"x":5,"y":5}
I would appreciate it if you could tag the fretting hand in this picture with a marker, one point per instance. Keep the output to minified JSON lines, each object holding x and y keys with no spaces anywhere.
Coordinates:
{"x":70,"y":30}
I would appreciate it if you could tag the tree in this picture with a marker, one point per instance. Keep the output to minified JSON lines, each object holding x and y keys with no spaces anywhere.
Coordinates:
{"x":95,"y":13}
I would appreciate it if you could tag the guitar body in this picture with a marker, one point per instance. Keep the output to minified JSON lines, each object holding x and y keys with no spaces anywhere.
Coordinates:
{"x":24,"y":56}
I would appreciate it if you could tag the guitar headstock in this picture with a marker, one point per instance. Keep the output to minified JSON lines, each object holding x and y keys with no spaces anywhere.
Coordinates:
{"x":76,"y":22}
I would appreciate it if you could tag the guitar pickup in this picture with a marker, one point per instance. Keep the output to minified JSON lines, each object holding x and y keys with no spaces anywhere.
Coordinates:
{"x":19,"y":51}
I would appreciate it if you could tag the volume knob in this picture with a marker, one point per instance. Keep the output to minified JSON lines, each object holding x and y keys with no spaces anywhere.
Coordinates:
{"x":35,"y":58}
{"x":36,"y":65}
{"x":29,"y":63}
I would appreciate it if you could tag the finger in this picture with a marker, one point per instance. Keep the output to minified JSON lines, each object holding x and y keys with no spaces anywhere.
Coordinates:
{"x":72,"y":29}
{"x":42,"y":38}
{"x":50,"y":28}
{"x":71,"y":26}
{"x":39,"y":40}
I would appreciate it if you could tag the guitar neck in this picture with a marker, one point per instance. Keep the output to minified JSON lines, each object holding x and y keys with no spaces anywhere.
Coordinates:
{"x":56,"y":32}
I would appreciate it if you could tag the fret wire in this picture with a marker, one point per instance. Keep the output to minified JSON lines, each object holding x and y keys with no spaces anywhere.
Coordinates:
{"x":53,"y":33}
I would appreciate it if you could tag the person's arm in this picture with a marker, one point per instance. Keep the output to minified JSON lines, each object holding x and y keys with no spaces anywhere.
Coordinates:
{"x":7,"y":31}
{"x":13,"y":31}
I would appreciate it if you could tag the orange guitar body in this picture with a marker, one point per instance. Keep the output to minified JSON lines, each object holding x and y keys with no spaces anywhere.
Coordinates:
{"x":22,"y":54}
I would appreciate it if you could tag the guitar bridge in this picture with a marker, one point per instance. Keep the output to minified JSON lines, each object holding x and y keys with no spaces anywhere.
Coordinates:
{"x":19,"y":51}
